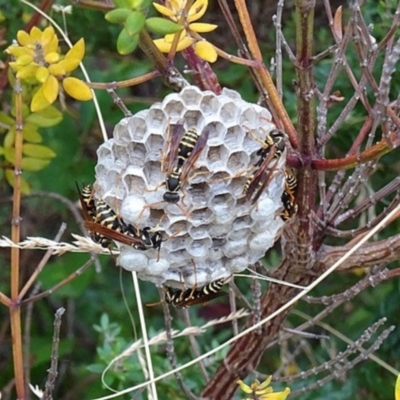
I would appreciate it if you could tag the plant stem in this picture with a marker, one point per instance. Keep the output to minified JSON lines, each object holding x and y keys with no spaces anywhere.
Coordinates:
{"x":245,"y":354}
{"x":15,"y":310}
{"x":262,"y":72}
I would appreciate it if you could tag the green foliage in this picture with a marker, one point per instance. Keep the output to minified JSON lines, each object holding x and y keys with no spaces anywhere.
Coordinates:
{"x":131,"y":15}
{"x":127,"y":43}
{"x":163,"y":26}
{"x":135,"y":22}
{"x":118,"y":16}
{"x":35,"y":157}
{"x":61,"y":268}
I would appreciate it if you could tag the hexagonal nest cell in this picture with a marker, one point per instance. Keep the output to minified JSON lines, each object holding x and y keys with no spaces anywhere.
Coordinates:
{"x":213,"y":230}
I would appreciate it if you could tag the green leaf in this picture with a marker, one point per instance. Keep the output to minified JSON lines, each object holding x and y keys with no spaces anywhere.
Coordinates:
{"x":48,"y":117}
{"x":10,"y":177}
{"x":104,"y":321}
{"x":6,"y":120}
{"x":122,"y":3}
{"x":37,"y":151}
{"x":126,"y":43}
{"x":135,"y":4}
{"x":96,"y":369}
{"x":9,"y":138}
{"x":397,"y":389}
{"x":135,"y":22}
{"x":118,"y":15}
{"x":162,"y":26}
{"x":11,"y":77}
{"x":25,"y":110}
{"x":9,"y":154}
{"x":1,"y":150}
{"x":31,"y":134}
{"x":34,"y":164}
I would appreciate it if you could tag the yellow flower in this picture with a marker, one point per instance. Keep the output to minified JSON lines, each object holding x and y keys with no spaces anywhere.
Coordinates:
{"x":174,"y":10}
{"x":263,"y":391}
{"x":38,"y":61}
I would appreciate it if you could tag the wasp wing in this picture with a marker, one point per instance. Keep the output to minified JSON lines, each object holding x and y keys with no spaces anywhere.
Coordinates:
{"x":111,"y":234}
{"x":261,"y":178}
{"x":171,"y":146}
{"x":194,"y":155}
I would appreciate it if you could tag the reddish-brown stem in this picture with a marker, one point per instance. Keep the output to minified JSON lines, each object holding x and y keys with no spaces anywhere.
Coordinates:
{"x":306,"y":120}
{"x":5,"y":300}
{"x":372,"y":154}
{"x":263,"y":73}
{"x":45,"y":5}
{"x":364,"y":131}
{"x":15,"y":310}
{"x":171,"y":75}
{"x":393,"y":273}
{"x":244,"y":355}
{"x":204,"y":77}
{"x":246,"y":352}
{"x":106,"y":5}
{"x":369,"y":255}
{"x":123,"y":84}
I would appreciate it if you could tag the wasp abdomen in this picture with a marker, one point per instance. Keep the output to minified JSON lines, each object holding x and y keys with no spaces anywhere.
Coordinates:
{"x":186,"y":145}
{"x":190,"y":297}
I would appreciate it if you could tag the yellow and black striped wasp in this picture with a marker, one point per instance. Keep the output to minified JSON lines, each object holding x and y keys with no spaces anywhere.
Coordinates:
{"x":272,"y":149}
{"x":97,"y":215}
{"x":274,"y":138}
{"x":288,"y":198}
{"x":183,"y":149}
{"x":189,"y":297}
{"x":105,"y":225}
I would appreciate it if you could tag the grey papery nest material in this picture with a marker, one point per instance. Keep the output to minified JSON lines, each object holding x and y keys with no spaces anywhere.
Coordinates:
{"x":213,"y":231}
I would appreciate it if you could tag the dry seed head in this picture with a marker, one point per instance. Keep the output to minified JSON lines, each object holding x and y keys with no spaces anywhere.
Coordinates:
{"x":222,"y":232}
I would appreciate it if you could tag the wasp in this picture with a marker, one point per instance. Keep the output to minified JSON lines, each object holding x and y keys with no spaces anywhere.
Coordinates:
{"x":150,"y":239}
{"x":95,"y":214}
{"x":139,"y":239}
{"x":272,"y":149}
{"x":257,"y":182}
{"x":276,"y":139}
{"x":87,"y":201}
{"x":183,"y":152}
{"x":104,"y":225}
{"x":288,"y":197}
{"x":190,"y":297}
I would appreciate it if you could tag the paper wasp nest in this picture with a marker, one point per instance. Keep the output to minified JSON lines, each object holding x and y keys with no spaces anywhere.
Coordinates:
{"x":213,"y":231}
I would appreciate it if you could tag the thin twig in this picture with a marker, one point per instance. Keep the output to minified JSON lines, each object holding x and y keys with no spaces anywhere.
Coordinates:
{"x":194,"y":345}
{"x":51,"y":377}
{"x":41,"y":264}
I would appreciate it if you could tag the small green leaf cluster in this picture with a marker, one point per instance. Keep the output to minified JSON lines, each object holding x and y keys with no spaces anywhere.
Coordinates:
{"x":131,"y":14}
{"x":35,"y":156}
{"x":124,"y":371}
